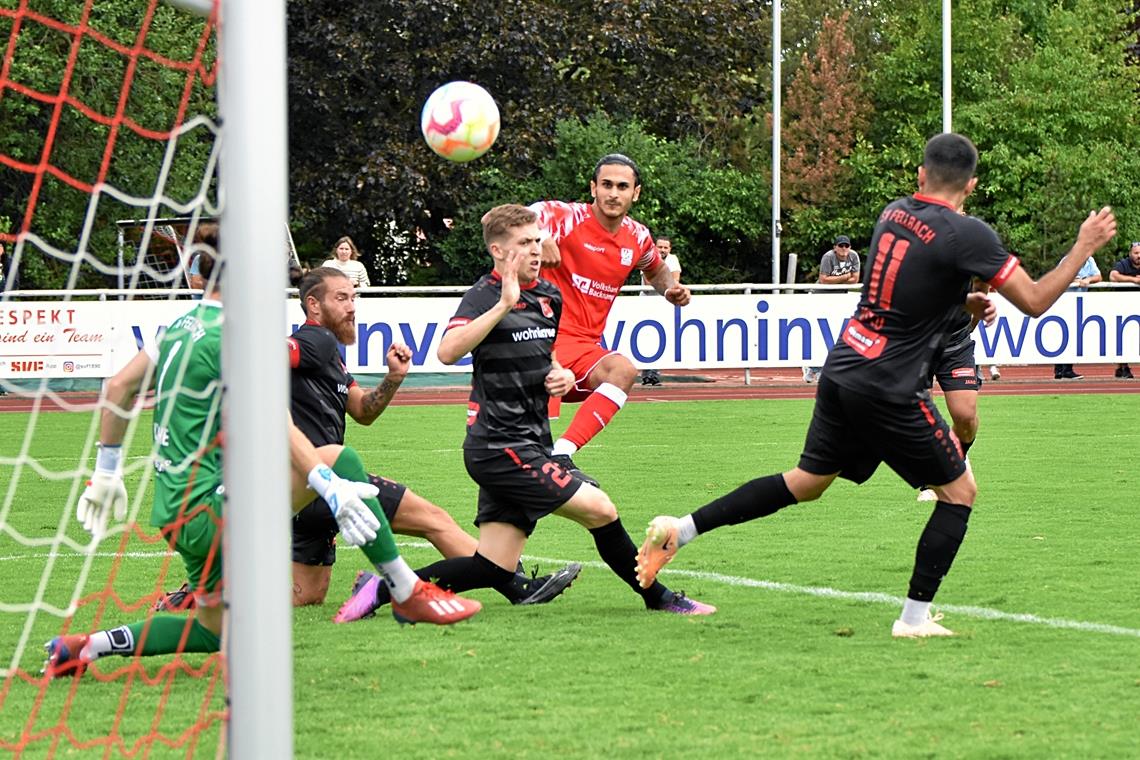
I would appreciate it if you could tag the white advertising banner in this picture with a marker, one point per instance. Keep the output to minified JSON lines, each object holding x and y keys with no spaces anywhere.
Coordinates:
{"x":95,"y":338}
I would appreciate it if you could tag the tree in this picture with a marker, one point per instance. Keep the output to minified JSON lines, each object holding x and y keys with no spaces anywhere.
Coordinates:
{"x":359,"y":73}
{"x":127,"y":154}
{"x":825,"y":113}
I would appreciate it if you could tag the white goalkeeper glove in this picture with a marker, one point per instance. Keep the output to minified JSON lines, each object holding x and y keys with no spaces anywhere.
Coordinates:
{"x":105,"y":493}
{"x":345,"y":499}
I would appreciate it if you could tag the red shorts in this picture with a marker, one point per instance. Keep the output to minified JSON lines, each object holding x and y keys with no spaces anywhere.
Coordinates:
{"x":580,"y":357}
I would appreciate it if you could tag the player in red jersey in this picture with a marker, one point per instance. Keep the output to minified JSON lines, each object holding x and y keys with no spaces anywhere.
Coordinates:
{"x":588,"y":251}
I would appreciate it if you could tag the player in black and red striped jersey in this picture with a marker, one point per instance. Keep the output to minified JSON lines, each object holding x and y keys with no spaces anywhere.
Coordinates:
{"x":873,"y":404}
{"x":508,"y":321}
{"x":323,"y":392}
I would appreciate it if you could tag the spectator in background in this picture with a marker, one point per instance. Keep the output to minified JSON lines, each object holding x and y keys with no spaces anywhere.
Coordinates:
{"x":665,"y":248}
{"x":346,"y":258}
{"x":1126,"y":270}
{"x":1088,"y":274}
{"x":839,"y":266}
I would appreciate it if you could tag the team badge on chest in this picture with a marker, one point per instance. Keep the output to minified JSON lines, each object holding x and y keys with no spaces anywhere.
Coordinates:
{"x":547,"y":309}
{"x":626,"y":256}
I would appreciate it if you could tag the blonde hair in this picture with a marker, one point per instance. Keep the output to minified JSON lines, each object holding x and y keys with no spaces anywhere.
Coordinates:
{"x":351,"y":245}
{"x":498,"y":220}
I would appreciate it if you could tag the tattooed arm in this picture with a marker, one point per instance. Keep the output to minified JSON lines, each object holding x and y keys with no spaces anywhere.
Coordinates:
{"x":365,"y":406}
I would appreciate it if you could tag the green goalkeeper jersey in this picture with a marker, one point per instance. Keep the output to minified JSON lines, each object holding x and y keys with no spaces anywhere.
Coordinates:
{"x":187,"y":413}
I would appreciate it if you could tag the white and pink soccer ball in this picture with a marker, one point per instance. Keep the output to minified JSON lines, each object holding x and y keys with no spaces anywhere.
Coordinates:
{"x":460,"y":121}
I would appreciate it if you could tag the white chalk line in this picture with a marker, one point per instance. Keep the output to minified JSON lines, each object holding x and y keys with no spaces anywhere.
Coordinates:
{"x":823,"y":592}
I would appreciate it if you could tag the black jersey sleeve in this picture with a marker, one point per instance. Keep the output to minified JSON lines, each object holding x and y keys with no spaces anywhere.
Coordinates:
{"x":316,"y":347}
{"x":479,"y":299}
{"x":984,"y":255}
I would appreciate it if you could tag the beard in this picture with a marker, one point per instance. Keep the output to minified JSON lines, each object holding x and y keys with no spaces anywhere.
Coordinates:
{"x":345,"y":331}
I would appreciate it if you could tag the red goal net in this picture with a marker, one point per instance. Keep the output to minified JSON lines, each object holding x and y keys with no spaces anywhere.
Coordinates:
{"x":107,"y":113}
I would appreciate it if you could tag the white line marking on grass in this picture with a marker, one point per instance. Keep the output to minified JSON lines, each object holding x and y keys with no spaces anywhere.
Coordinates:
{"x":81,"y":555}
{"x":824,"y":592}
{"x":875,"y":597}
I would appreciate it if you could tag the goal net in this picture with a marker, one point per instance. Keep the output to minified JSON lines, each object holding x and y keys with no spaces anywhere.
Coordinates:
{"x":107,"y":113}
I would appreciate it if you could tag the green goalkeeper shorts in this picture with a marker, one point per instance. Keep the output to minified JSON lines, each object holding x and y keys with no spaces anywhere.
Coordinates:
{"x":199,"y":541}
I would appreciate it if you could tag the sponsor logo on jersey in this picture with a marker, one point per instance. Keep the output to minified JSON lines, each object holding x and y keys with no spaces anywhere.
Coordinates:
{"x":593,"y":288}
{"x":962,"y":372}
{"x":594,"y":248}
{"x":534,"y":333}
{"x":544,"y":304}
{"x":626,"y":256}
{"x":864,"y":340}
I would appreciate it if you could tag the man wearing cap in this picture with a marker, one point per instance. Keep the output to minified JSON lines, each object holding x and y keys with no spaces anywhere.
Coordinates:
{"x":839,"y":266}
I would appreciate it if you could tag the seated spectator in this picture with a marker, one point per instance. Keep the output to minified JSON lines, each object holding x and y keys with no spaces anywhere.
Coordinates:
{"x":1126,"y":270}
{"x":345,"y":257}
{"x":839,"y":266}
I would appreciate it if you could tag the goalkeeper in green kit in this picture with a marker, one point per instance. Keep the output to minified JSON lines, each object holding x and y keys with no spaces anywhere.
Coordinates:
{"x":185,"y":368}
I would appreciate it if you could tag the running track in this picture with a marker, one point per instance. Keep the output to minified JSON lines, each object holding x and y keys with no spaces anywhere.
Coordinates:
{"x":695,"y":385}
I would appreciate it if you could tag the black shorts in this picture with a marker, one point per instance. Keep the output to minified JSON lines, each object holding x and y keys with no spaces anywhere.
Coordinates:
{"x":518,"y":485}
{"x":851,"y":434}
{"x":955,"y":369}
{"x":314,"y":527}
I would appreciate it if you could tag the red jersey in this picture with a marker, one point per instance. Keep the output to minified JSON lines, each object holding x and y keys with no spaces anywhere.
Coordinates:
{"x":595,"y":263}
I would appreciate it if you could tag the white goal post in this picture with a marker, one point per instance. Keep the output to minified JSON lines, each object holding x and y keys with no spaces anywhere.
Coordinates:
{"x":254,"y":170}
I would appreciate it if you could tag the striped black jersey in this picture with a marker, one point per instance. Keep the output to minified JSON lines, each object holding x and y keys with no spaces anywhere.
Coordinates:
{"x":319,"y":384}
{"x":508,"y":402}
{"x":923,"y":258}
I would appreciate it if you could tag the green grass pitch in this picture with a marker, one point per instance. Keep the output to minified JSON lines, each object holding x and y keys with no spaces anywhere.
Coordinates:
{"x":798,"y":662}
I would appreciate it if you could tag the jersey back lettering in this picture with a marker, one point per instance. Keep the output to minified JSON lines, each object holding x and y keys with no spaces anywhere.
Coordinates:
{"x":595,"y":263}
{"x":922,"y":260}
{"x":187,"y":412}
{"x":508,"y":402}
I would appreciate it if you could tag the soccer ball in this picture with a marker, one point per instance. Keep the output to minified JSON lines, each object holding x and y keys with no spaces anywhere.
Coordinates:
{"x":460,"y":121}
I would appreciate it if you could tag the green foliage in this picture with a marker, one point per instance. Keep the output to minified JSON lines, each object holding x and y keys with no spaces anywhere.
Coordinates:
{"x":85,"y":149}
{"x":1044,"y":88}
{"x":715,"y":213}
{"x":359,"y":74}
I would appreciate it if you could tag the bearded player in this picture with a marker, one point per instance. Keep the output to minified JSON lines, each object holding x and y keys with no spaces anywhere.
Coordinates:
{"x":323,"y":392}
{"x":589,"y":251}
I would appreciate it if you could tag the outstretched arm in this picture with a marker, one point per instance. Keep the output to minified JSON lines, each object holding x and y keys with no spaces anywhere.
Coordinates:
{"x":1035,"y":297}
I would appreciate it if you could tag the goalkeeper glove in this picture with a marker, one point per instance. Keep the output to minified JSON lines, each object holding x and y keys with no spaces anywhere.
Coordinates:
{"x":356,"y":521}
{"x":105,"y":493}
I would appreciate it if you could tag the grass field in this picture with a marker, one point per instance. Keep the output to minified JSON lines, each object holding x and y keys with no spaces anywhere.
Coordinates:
{"x":798,"y":662}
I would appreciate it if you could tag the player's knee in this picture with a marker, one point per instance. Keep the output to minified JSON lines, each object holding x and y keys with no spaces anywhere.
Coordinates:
{"x":616,"y":370}
{"x":600,"y":510}
{"x":418,"y":516}
{"x":310,"y":584}
{"x":962,"y":491}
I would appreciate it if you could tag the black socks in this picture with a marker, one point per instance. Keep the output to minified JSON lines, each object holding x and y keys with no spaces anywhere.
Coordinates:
{"x":756,"y":498}
{"x":937,"y":547}
{"x":616,"y":549}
